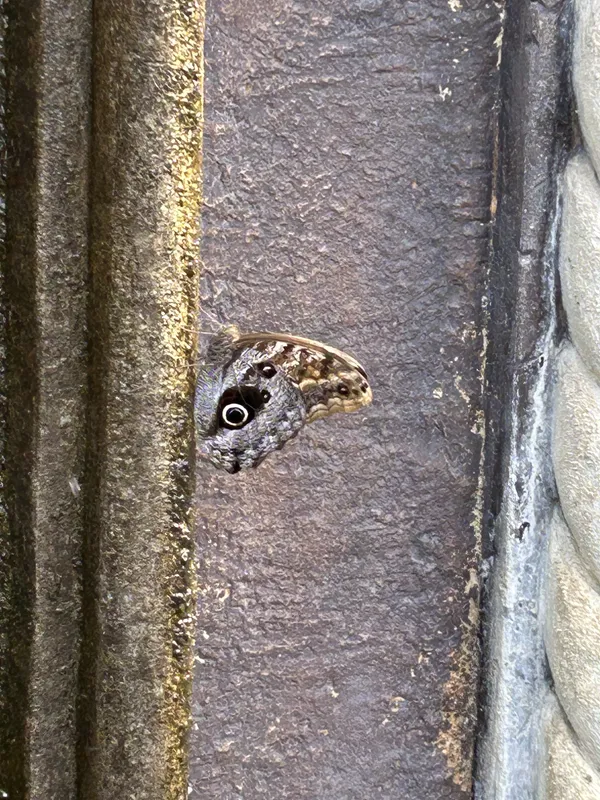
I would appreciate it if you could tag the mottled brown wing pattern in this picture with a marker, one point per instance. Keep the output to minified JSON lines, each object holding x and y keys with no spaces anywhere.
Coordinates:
{"x":331,"y":381}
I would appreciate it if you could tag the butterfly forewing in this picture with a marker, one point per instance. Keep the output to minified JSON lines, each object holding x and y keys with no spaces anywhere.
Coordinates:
{"x":330,"y":380}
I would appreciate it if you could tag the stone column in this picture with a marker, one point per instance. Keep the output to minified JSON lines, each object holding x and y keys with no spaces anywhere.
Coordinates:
{"x":103,"y":129}
{"x":571,"y":756}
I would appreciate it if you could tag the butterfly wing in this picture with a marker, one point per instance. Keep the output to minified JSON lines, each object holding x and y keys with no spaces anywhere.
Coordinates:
{"x":256,"y":391}
{"x":330,"y":381}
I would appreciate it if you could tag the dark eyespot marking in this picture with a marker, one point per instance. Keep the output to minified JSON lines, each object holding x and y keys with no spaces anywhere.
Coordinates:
{"x":266,"y":396}
{"x":364,"y":386}
{"x":343,"y":389}
{"x":238,"y":406}
{"x":234,"y":415}
{"x":267,"y":369}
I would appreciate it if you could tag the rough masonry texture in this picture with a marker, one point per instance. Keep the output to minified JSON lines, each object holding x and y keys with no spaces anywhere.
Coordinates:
{"x":44,"y":298}
{"x":350,"y":156}
{"x":348,"y":153}
{"x":541,"y":734}
{"x":534,"y":136}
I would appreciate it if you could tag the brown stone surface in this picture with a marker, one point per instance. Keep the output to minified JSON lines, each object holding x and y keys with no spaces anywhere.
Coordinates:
{"x":347,"y":185}
{"x":144,"y":200}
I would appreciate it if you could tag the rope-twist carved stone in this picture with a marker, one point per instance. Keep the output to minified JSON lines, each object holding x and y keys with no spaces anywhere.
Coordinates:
{"x":571,"y":769}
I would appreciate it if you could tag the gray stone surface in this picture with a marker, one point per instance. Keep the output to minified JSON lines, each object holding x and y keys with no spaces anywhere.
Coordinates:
{"x":347,"y":187}
{"x":138,"y":569}
{"x":44,"y":299}
{"x":572,"y":636}
{"x":568,"y":775}
{"x":580,"y":258}
{"x":576,"y":454}
{"x":586,"y":80}
{"x":534,"y":134}
{"x":572,"y":627}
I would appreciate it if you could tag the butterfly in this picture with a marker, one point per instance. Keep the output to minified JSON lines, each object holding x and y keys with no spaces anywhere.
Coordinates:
{"x":255,"y":391}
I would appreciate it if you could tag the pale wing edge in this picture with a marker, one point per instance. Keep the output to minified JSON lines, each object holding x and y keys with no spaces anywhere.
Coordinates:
{"x":250,"y":339}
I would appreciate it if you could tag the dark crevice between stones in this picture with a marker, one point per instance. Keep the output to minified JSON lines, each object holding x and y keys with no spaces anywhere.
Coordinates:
{"x":536,"y":132}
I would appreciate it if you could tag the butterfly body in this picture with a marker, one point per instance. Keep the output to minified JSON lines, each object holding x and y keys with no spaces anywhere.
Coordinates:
{"x":256,"y":391}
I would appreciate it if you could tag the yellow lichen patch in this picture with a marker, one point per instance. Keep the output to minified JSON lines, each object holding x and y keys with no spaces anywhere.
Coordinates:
{"x":183,"y":142}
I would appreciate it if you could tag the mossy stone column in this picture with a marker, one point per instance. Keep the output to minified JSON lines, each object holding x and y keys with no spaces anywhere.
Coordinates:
{"x":103,"y":124}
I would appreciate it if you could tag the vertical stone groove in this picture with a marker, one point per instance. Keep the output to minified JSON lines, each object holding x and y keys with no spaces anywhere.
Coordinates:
{"x":535,"y":132}
{"x":45,"y":275}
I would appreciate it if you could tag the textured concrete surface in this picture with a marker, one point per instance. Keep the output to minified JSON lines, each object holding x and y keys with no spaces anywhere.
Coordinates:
{"x":580,"y":258}
{"x":348,"y":168}
{"x":586,"y":79}
{"x":144,"y":222}
{"x":576,"y":455}
{"x":572,"y":624}
{"x":44,"y":272}
{"x":572,"y":628}
{"x":572,"y":635}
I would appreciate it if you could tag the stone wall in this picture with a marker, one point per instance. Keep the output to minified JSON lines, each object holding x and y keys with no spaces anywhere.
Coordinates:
{"x":382,"y":176}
